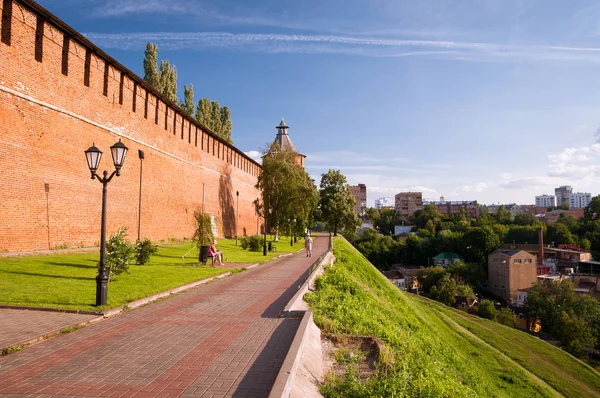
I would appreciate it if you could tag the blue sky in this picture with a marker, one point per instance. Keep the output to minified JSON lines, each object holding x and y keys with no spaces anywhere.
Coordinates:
{"x":488,"y":100}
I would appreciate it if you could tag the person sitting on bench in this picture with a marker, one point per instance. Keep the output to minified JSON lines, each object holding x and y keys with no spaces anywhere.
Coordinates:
{"x":214,"y":253}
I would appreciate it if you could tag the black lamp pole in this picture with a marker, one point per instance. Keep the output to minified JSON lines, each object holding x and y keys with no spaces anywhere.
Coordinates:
{"x":237,"y":214}
{"x":93,"y":156}
{"x":141,"y":156}
{"x":265,"y":228}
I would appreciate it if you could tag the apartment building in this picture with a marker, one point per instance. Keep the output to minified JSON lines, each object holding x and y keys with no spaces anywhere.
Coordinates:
{"x":579,"y":200}
{"x":449,"y":208}
{"x":360,"y":196}
{"x":545,"y":201}
{"x":562,"y":194}
{"x":407,"y":203}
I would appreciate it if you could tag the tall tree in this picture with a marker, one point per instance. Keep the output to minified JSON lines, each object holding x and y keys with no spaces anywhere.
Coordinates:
{"x":151,"y":75}
{"x":226,"y":124}
{"x":287,"y":190}
{"x":215,"y":118}
{"x":167,"y":83}
{"x":188,"y":99}
{"x":203,"y":112}
{"x":336,"y":201}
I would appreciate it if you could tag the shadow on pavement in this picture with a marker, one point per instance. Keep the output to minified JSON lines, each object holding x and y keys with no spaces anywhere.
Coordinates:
{"x":278,"y":305}
{"x":261,"y":376}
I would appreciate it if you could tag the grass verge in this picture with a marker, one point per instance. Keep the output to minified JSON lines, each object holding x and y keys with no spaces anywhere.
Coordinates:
{"x":433,"y":350}
{"x":67,"y":281}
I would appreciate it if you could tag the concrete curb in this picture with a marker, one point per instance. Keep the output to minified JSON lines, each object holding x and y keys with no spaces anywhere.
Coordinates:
{"x":296,"y":305}
{"x":285,"y":378}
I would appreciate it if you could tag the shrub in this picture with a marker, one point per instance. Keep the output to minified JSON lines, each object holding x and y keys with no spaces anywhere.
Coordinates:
{"x":118,"y":253}
{"x":507,"y":317}
{"x":143,"y":250}
{"x":487,"y":310}
{"x":252,"y":243}
{"x":203,"y":235}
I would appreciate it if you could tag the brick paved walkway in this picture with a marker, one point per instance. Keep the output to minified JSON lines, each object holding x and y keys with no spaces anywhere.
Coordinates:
{"x":220,"y":339}
{"x":18,"y":326}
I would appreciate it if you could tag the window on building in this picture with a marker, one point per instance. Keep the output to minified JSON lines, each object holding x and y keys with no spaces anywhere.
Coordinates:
{"x":517,"y":261}
{"x":527,"y":261}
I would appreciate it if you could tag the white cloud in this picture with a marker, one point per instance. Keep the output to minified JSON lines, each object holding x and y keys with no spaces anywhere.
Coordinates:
{"x":254,"y":155}
{"x":479,"y":187}
{"x":576,"y":163}
{"x":351,"y":45}
{"x":527,"y":182}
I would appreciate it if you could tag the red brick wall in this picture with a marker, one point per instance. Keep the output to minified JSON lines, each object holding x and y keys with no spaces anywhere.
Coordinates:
{"x":47,"y":120}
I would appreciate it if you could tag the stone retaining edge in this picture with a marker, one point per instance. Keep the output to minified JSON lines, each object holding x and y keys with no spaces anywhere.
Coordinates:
{"x":296,"y":305}
{"x":285,"y":378}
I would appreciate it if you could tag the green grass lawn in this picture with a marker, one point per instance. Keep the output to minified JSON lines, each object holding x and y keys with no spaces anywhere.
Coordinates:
{"x":67,"y":281}
{"x":434,"y":350}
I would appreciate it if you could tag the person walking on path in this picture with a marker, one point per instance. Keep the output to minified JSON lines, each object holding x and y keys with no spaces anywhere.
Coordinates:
{"x":308,"y":246}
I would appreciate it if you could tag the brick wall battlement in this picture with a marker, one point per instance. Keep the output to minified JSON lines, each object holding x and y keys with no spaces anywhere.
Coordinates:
{"x":59,"y":93}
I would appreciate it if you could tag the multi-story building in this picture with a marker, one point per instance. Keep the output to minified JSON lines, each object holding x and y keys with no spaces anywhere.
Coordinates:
{"x":360,"y":196}
{"x":407,"y":203}
{"x":562,"y":194}
{"x":449,"y":208}
{"x":579,"y":200}
{"x":510,"y":270}
{"x":545,"y":201}
{"x":384,"y":203}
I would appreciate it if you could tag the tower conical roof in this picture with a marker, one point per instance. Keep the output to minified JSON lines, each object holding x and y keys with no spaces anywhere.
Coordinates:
{"x":283,"y":139}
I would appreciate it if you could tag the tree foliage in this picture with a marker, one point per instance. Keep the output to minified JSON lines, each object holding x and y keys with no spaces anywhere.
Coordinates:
{"x":288,"y":192}
{"x":487,"y":310}
{"x":216,"y":118}
{"x":163,"y":77}
{"x":337,"y":202}
{"x":118,"y":253}
{"x":444,"y":290}
{"x":188,"y":100}
{"x":383,"y":220}
{"x":572,"y":319}
{"x":429,"y":277}
{"x":151,"y":75}
{"x":507,"y":317}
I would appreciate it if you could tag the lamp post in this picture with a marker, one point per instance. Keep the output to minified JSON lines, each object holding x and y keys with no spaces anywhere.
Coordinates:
{"x":93,"y":156}
{"x":265,"y":231}
{"x":292,"y":232}
{"x":237,"y":214}
{"x":141,"y":156}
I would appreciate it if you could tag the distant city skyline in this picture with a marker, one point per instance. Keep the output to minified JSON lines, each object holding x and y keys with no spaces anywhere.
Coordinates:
{"x":494,"y":101}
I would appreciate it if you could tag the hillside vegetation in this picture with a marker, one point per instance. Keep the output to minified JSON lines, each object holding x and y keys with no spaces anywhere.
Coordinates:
{"x":433,"y":350}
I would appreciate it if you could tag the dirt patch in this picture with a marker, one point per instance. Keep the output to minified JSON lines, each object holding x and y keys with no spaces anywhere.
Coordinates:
{"x":341,"y":352}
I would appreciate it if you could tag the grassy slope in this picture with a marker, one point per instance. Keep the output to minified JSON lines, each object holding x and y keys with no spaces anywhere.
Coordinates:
{"x":436,"y":350}
{"x":68,"y":281}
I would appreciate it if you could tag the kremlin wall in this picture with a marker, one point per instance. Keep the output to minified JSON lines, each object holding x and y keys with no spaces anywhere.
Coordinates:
{"x":59,"y":94}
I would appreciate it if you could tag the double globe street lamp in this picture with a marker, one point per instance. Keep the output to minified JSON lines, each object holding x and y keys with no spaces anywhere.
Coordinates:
{"x":93,"y":156}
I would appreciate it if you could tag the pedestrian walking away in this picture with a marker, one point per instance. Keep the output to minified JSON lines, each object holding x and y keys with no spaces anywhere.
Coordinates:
{"x":308,"y":245}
